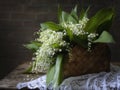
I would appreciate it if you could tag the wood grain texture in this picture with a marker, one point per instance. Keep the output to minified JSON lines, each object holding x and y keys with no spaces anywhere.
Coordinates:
{"x":16,"y":76}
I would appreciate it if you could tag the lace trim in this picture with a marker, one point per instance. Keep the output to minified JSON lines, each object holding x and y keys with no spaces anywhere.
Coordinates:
{"x":99,"y":81}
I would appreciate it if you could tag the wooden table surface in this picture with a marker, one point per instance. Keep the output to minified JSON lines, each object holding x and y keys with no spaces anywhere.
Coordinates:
{"x":16,"y":76}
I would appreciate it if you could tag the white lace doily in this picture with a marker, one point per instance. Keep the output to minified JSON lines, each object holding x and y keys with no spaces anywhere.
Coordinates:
{"x":99,"y":81}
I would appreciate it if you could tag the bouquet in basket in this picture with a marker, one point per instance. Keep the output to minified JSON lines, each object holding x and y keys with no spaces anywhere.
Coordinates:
{"x":62,"y":49}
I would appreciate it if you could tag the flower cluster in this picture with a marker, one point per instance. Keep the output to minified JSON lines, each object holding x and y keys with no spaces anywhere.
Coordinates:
{"x":77,"y":28}
{"x":51,"y":43}
{"x":91,"y":37}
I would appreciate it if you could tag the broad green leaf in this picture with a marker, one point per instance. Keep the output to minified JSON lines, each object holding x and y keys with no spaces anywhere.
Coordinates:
{"x":104,"y":26}
{"x":43,"y":27}
{"x":71,"y":19}
{"x":52,"y":26}
{"x":33,"y":45}
{"x":58,"y":76}
{"x":59,"y":14}
{"x":64,"y":16}
{"x":80,"y":40}
{"x":100,"y":17}
{"x":50,"y":74}
{"x":105,"y":37}
{"x":83,"y":13}
{"x":75,"y":9}
{"x":54,"y":74}
{"x":69,"y":33}
{"x":74,"y":14}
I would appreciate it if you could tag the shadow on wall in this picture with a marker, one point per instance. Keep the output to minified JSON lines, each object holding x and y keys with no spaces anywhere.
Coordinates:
{"x":12,"y":52}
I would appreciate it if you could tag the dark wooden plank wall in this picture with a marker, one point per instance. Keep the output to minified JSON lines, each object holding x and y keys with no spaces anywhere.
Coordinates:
{"x":19,"y":19}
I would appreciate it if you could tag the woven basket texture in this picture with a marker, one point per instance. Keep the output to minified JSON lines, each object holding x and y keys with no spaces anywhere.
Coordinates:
{"x":82,"y":62}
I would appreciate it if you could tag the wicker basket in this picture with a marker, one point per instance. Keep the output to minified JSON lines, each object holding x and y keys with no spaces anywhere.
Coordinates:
{"x":83,"y":62}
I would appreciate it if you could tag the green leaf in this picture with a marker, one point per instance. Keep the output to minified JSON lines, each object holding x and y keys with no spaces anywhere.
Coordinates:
{"x":55,"y":45}
{"x":105,"y":37}
{"x":71,"y":19}
{"x":64,"y":16}
{"x":54,"y":74}
{"x":81,"y":40}
{"x":43,"y":27}
{"x":104,"y":26}
{"x":99,"y":18}
{"x":59,"y":14}
{"x":52,"y":26}
{"x":28,"y":70}
{"x":83,"y":13}
{"x":33,"y":45}
{"x":50,"y":74}
{"x":58,"y":76}
{"x":75,"y":9}
{"x":69,"y":33}
{"x":74,"y":14}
